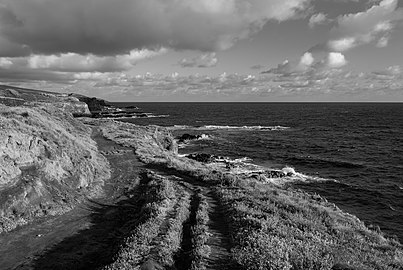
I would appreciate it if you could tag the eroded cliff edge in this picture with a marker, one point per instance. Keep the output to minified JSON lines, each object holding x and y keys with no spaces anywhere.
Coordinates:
{"x":48,"y":161}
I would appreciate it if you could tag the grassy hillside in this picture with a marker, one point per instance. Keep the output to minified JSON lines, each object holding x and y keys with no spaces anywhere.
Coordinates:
{"x":178,"y":213}
{"x":270,"y":227}
{"x":48,"y":162}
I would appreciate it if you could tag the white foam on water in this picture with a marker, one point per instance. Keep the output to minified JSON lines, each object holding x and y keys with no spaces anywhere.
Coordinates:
{"x":213,"y":127}
{"x":137,"y":117}
{"x":218,"y":127}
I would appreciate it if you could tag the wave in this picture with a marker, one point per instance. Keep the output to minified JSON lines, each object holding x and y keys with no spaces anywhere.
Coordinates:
{"x":137,"y":117}
{"x":217,"y":127}
{"x":245,"y":167}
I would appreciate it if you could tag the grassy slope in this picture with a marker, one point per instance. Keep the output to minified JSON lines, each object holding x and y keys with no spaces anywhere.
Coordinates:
{"x":48,"y":162}
{"x":272,"y":227}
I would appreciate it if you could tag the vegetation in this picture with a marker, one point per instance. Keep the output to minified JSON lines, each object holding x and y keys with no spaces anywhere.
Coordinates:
{"x":157,"y":237}
{"x":48,"y":163}
{"x":274,"y":228}
{"x":180,"y":202}
{"x":200,"y":235}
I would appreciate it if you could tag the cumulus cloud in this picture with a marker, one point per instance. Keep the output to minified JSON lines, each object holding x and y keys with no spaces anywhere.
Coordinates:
{"x":310,"y":85}
{"x":336,"y":60}
{"x":73,"y":62}
{"x":114,"y":27}
{"x":203,"y":61}
{"x":322,"y":84}
{"x":307,"y":60}
{"x":307,"y":63}
{"x":318,"y":19}
{"x":374,"y":24}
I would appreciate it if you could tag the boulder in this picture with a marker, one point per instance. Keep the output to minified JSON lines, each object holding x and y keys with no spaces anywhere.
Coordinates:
{"x":189,"y":137}
{"x":202,"y":157}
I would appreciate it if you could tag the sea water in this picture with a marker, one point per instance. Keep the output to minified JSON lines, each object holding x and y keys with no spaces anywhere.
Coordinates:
{"x":350,"y":153}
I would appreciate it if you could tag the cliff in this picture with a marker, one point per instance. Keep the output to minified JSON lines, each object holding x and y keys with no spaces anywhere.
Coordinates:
{"x":14,"y":96}
{"x":48,"y":161}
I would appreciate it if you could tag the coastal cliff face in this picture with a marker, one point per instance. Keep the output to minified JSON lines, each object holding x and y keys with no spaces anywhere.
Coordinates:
{"x":48,"y":162}
{"x":13,"y":96}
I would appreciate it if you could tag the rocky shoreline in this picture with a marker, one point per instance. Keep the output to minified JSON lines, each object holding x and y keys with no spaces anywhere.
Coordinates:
{"x":152,"y":208}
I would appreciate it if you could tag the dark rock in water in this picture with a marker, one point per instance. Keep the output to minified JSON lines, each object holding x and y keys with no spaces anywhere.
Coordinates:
{"x":186,"y":137}
{"x":202,"y":157}
{"x":275,"y":174}
{"x":189,"y":137}
{"x":132,"y":107}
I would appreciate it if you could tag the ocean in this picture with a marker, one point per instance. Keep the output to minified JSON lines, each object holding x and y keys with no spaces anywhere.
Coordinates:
{"x":349,"y":153}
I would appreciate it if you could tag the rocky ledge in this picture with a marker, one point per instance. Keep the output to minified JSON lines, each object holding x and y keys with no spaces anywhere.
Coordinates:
{"x":49,"y":161}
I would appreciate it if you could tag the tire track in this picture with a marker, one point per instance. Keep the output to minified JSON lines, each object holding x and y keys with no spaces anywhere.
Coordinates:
{"x":217,"y":233}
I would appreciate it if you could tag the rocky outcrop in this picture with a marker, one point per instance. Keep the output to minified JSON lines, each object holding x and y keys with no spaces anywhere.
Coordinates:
{"x":14,"y":96}
{"x":190,"y":137}
{"x":48,"y":162}
{"x":73,"y":106}
{"x":94,"y":104}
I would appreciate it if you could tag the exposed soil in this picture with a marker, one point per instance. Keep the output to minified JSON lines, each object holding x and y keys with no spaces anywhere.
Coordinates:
{"x":87,"y":236}
{"x":219,"y":241}
{"x":90,"y":236}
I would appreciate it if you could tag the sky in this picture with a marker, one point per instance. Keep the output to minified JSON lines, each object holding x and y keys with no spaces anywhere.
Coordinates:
{"x":206,"y":50}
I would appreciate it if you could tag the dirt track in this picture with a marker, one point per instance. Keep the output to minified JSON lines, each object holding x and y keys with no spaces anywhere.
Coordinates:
{"x":90,"y":236}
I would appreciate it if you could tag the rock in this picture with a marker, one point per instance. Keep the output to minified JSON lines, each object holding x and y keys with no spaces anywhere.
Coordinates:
{"x":202,"y":157}
{"x":94,"y":104}
{"x":189,"y":137}
{"x":46,"y":158}
{"x":73,"y":106}
{"x":274,"y":174}
{"x":165,"y":139}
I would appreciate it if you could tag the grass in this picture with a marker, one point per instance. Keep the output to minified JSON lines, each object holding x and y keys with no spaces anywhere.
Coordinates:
{"x":271,"y":227}
{"x":274,"y":228}
{"x":200,"y":236}
{"x":157,"y":237}
{"x":48,"y":163}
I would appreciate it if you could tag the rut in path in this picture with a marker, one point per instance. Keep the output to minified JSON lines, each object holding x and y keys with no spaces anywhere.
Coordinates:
{"x":110,"y":218}
{"x":219,"y":239}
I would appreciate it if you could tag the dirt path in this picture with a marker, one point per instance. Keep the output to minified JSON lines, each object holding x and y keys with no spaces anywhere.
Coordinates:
{"x":218,"y":241}
{"x":77,"y":239}
{"x":90,"y":236}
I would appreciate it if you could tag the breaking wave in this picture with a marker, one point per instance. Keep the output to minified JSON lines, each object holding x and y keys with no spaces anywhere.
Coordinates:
{"x":245,"y":167}
{"x":138,"y":117}
{"x":217,"y":127}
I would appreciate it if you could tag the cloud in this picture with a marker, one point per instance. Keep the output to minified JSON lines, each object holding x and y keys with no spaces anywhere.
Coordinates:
{"x":336,"y":60}
{"x":318,"y":19}
{"x":326,"y":84}
{"x":120,"y":26}
{"x":319,"y":84}
{"x":306,"y":60}
{"x":203,"y":61}
{"x":377,"y":23}
{"x":72,"y":62}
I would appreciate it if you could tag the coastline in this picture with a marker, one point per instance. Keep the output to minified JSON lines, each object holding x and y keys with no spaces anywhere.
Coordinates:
{"x":181,"y":212}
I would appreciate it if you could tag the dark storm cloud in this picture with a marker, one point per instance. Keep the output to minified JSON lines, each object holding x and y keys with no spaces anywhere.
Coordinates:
{"x":105,"y":27}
